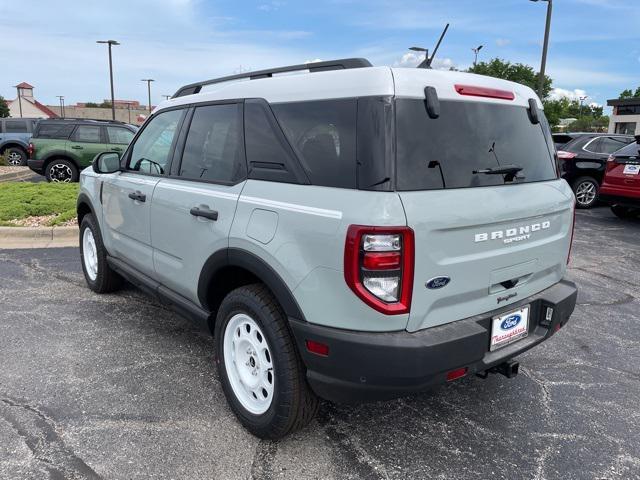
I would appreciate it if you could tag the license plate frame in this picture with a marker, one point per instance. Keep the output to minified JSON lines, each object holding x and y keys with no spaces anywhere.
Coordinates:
{"x":509,"y":327}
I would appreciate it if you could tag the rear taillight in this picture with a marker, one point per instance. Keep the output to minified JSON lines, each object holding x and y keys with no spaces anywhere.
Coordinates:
{"x":573,"y":228}
{"x":562,"y":155}
{"x":378,"y":266}
{"x":31,"y":149}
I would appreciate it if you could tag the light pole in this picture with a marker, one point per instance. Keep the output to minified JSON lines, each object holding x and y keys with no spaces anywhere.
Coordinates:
{"x":19,"y":99}
{"x":113,"y":105}
{"x":582,"y":99}
{"x":545,"y":46}
{"x":475,"y":53}
{"x":148,"y":80}
{"x":61,"y":98}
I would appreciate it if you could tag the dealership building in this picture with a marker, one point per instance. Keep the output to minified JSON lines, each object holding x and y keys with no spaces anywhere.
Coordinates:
{"x":625,"y":117}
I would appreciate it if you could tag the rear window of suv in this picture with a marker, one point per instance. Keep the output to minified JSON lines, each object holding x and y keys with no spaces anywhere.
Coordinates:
{"x":53,"y":130}
{"x":467,"y":136}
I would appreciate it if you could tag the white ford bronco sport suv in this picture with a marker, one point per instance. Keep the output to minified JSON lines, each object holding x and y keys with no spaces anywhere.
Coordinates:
{"x":347,"y":232}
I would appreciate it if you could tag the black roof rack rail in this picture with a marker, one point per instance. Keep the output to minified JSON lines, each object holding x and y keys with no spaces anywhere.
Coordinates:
{"x":342,"y":64}
{"x":75,"y":119}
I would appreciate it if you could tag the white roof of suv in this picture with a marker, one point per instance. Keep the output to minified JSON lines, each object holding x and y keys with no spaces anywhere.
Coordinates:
{"x":354,"y":82}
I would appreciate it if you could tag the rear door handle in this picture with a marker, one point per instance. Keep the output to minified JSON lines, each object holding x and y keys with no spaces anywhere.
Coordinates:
{"x":137,"y":195}
{"x":204,"y":212}
{"x":77,"y":147}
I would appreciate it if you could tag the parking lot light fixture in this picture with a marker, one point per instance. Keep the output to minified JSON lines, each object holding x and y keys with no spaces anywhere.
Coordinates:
{"x":475,"y":52}
{"x":148,"y":80}
{"x":113,"y":106}
{"x":545,"y":46}
{"x":61,"y":98}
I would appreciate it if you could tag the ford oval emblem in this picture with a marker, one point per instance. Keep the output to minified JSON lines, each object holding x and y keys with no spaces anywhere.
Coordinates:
{"x":510,"y":322}
{"x":437,"y":282}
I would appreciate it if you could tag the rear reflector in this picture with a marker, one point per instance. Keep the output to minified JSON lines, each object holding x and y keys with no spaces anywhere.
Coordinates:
{"x":318,"y":348}
{"x":484,"y":92}
{"x":382,"y":260}
{"x":457,"y":373}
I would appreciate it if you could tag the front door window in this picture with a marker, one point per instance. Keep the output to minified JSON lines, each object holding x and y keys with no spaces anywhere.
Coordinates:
{"x":151,"y":151}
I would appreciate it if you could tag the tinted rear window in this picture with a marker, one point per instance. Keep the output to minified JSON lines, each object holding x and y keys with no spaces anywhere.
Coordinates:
{"x":560,"y":139}
{"x":631,"y":150}
{"x":52,"y":130}
{"x":323,"y":133}
{"x":467,"y":137}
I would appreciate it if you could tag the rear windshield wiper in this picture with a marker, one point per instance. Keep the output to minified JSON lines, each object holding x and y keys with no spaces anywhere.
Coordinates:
{"x":509,"y":171}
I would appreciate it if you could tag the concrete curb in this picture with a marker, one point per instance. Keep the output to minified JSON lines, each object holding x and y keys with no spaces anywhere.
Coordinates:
{"x":38,"y":237}
{"x":16,"y":176}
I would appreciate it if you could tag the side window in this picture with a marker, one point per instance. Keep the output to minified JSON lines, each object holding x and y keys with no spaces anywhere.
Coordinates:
{"x":324,"y":135}
{"x":15,"y":126}
{"x":52,"y":130}
{"x":269,"y":155}
{"x":87,"y":134}
{"x":213,"y":148}
{"x":119,"y":135}
{"x":150,"y":152}
{"x":593,"y":145}
{"x":613,"y":144}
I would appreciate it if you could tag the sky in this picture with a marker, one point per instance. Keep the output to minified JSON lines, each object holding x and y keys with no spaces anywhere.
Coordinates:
{"x":594,"y":45}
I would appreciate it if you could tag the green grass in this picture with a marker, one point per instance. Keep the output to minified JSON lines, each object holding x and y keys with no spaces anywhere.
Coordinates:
{"x":21,"y":200}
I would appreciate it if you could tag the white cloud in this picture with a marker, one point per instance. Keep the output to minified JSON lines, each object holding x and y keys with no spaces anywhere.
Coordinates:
{"x":575,"y":94}
{"x":503,"y":42}
{"x":412,"y":60}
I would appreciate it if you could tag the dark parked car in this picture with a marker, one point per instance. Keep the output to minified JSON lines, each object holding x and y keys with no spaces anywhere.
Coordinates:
{"x":621,"y":185}
{"x":14,"y":138}
{"x":582,"y":159}
{"x":60,"y":148}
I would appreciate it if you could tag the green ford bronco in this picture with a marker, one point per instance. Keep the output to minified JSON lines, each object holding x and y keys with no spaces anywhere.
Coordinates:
{"x":60,"y":148}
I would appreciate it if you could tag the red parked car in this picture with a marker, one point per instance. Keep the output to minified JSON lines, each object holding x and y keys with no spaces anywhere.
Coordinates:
{"x":621,"y":185}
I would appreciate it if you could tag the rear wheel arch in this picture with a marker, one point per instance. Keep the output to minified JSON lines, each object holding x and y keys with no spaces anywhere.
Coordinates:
{"x":6,"y":146}
{"x":228,"y":269}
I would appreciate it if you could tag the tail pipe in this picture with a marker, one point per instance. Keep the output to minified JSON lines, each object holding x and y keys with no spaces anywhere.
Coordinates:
{"x":509,"y":369}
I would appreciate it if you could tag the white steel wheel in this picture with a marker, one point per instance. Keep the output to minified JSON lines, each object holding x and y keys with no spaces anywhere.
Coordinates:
{"x":248,"y":364}
{"x":90,"y":254}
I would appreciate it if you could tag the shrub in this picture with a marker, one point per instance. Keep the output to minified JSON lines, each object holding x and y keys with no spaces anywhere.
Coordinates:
{"x":3,"y":161}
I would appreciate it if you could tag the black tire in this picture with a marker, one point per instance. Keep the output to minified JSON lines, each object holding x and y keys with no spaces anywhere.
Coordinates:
{"x":61,"y":170}
{"x":582,"y":188}
{"x":623,"y":212}
{"x":293,"y":404}
{"x":16,"y":156}
{"x":106,"y":279}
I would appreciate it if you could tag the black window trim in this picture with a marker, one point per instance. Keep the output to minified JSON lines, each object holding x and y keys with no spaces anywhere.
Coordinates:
{"x":174,"y":171}
{"x":124,"y":160}
{"x":293,"y":162}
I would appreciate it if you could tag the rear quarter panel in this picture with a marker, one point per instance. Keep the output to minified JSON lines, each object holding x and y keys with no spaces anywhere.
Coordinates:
{"x":300,"y":231}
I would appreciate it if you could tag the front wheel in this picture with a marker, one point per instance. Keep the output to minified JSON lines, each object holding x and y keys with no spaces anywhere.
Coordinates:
{"x":99,"y":276}
{"x":260,"y":369}
{"x":63,"y":171}
{"x":586,"y":191}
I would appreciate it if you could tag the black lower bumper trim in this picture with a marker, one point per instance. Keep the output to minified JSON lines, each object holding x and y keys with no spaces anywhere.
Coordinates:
{"x":620,"y":200}
{"x":368,"y":366}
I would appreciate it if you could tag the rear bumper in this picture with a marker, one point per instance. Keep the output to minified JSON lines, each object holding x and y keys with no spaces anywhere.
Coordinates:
{"x":36,"y":165}
{"x":367,"y":366}
{"x":627,"y":201}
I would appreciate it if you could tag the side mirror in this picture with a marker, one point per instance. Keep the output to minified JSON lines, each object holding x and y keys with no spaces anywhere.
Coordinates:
{"x":106,"y":162}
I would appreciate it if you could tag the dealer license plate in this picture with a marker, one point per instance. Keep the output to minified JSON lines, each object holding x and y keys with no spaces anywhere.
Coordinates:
{"x":509,"y":327}
{"x":631,"y":169}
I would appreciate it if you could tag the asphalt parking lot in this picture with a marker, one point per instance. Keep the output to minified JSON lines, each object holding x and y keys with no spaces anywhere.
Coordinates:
{"x":119,"y":387}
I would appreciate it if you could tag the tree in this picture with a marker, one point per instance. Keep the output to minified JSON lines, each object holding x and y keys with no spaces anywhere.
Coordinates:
{"x":4,"y":107}
{"x":589,"y":117}
{"x":516,"y":72}
{"x":628,"y":93}
{"x":91,"y":105}
{"x":105,"y":104}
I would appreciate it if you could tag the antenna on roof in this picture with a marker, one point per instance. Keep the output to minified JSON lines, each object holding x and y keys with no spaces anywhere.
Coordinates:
{"x":426,"y":63}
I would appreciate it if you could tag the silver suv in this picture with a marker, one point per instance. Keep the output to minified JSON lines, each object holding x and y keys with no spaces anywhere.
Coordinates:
{"x":346,"y":231}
